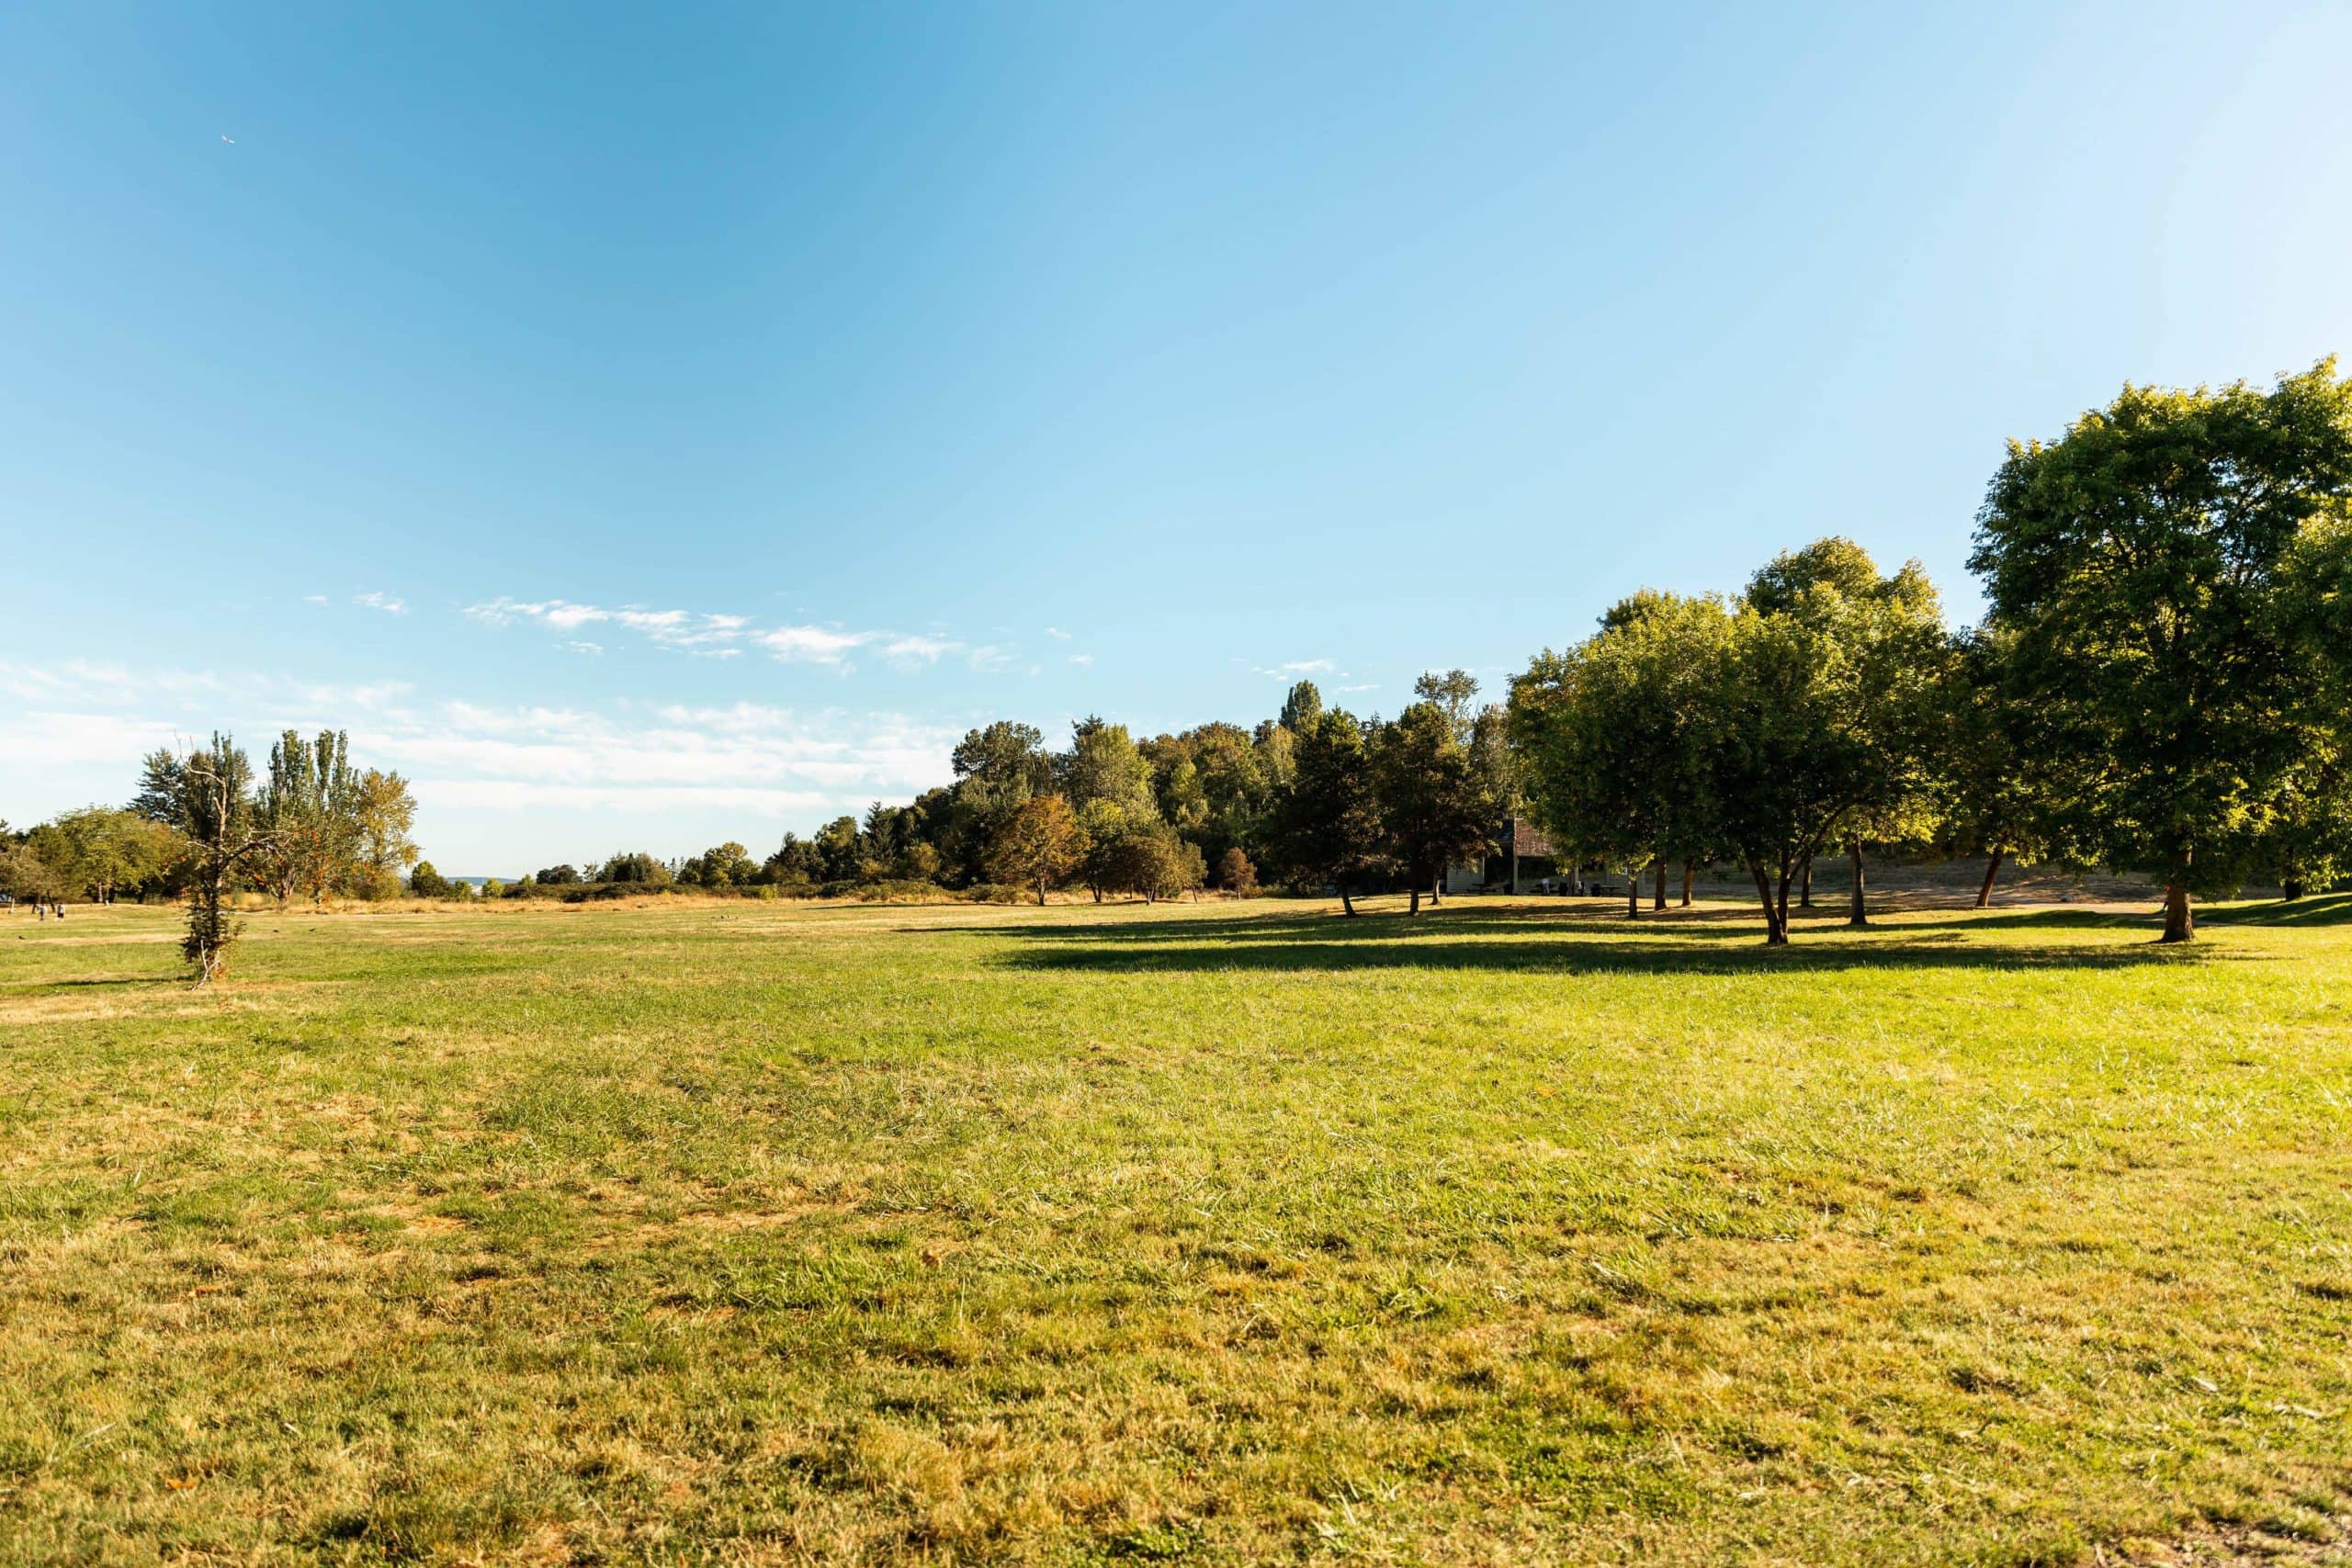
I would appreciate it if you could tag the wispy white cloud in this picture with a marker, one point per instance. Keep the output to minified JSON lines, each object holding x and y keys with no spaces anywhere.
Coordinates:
{"x":380,"y":600}
{"x":1081,"y":659}
{"x":1058,"y":634}
{"x":712,"y":635}
{"x":989,"y":657}
{"x":764,"y":761}
{"x":811,"y":645}
{"x":84,"y":681}
{"x":671,"y":628}
{"x":918,"y":649}
{"x":316,"y":599}
{"x":1298,"y":667}
{"x":1372,"y":687}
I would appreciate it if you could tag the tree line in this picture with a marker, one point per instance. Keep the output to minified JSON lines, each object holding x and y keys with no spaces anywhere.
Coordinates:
{"x":2159,"y":685}
{"x":204,"y":826}
{"x":1309,"y":797}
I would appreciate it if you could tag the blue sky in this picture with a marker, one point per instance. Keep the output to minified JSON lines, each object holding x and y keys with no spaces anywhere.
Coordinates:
{"x":645,"y":428}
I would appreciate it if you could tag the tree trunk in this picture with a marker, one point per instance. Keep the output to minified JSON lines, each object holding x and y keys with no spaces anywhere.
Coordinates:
{"x":1992,"y":870}
{"x":1856,"y":915}
{"x":1689,"y":872}
{"x":1775,"y":929}
{"x":1437,"y":885}
{"x":1658,"y":896}
{"x":2180,"y":922}
{"x":2290,"y":890}
{"x":1804,"y":894}
{"x":1041,"y":893}
{"x":1417,"y":900}
{"x":1633,"y":893}
{"x":1782,"y":903}
{"x":1345,"y":902}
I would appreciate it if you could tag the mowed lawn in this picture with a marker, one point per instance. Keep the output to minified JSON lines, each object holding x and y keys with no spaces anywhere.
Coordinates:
{"x":740,"y":1232}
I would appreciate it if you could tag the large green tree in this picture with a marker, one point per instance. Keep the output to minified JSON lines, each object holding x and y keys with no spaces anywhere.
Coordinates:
{"x":1885,"y":653}
{"x":998,"y":770}
{"x":1103,"y":764}
{"x":308,"y":806}
{"x":1326,"y":822}
{"x":1432,"y":808}
{"x":101,"y":849}
{"x":1039,"y":845}
{"x":1610,"y":735}
{"x":2145,"y":563}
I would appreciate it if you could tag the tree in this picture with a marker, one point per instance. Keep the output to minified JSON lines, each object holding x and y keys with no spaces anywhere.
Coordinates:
{"x":1995,"y":798}
{"x":841,"y":849}
{"x":1103,"y":764}
{"x":1455,"y":693}
{"x":2145,"y":563}
{"x":1883,"y":638}
{"x":307,"y":809}
{"x":1494,"y":759}
{"x":1431,"y":808}
{"x":1611,"y":733}
{"x":794,"y":863}
{"x":1234,"y":874}
{"x":637,"y":869}
{"x":1820,"y":726}
{"x":24,"y":876}
{"x":558,"y":876}
{"x":1277,"y":747}
{"x":1326,"y":824}
{"x":100,"y":850}
{"x":1183,"y":800}
{"x":1302,"y":708}
{"x":383,"y":814}
{"x":1039,"y":846}
{"x":427,"y":883}
{"x":722,"y":865}
{"x":1172,"y":865}
{"x":1105,"y":863}
{"x":158,"y":799}
{"x":216,"y":815}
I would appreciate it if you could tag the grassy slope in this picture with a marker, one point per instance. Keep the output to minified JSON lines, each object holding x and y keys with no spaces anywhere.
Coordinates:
{"x":1214,"y":1232}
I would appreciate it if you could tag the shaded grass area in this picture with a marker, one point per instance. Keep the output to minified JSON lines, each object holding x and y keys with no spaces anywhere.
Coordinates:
{"x":1214,"y":1233}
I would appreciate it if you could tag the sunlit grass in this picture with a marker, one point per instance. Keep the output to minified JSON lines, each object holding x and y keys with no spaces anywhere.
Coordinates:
{"x":1206,"y":1232}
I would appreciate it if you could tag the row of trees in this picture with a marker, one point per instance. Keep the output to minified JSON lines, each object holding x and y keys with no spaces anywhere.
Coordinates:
{"x":1309,"y":797}
{"x":2159,"y":685}
{"x":202,"y":826}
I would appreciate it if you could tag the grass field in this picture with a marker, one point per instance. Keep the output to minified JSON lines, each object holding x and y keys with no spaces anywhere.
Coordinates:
{"x":743,"y":1233}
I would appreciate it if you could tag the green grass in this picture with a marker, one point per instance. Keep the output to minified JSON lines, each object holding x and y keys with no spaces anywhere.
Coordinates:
{"x":741,"y":1232}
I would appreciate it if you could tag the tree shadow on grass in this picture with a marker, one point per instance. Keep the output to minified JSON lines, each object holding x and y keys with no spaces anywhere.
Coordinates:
{"x":1542,"y":942}
{"x":2331,"y":910}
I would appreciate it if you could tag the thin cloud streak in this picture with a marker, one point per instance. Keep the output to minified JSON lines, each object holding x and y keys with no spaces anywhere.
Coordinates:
{"x":711,"y":636}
